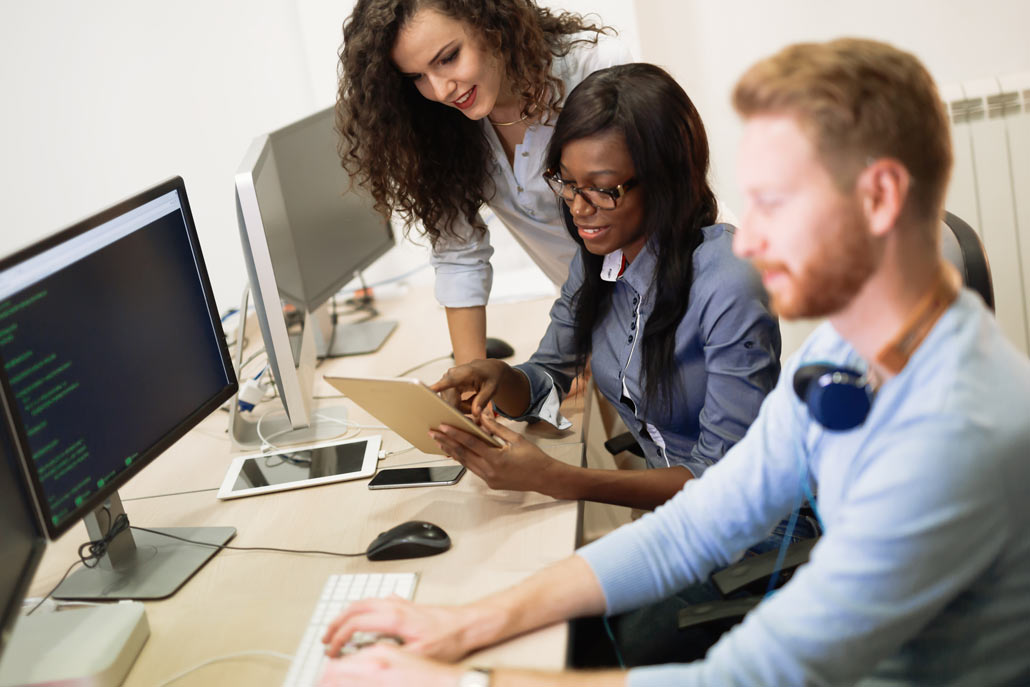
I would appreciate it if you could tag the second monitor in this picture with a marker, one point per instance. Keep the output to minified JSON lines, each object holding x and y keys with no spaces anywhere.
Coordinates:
{"x":305,"y":233}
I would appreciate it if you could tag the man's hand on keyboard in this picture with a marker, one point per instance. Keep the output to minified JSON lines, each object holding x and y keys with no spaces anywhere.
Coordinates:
{"x":436,"y":631}
{"x":387,"y":666}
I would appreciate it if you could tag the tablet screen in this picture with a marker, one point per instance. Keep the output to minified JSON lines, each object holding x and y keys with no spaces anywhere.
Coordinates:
{"x":300,"y":465}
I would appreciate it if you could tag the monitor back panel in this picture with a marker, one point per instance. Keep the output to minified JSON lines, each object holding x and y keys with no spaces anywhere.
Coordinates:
{"x":333,"y":229}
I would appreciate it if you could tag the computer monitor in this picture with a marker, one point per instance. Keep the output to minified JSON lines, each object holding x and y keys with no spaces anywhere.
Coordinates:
{"x":23,"y":541}
{"x":94,"y":645}
{"x":305,"y":232}
{"x":112,"y":350}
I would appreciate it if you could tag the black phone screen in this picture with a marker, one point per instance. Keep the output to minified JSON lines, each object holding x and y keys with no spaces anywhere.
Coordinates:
{"x":416,"y":477}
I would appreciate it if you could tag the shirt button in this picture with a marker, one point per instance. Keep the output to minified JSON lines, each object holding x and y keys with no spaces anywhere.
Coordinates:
{"x":630,"y":340}
{"x":525,"y":153}
{"x":520,"y":189}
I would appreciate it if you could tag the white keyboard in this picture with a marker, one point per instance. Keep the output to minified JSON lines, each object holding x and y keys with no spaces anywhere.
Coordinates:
{"x":339,"y":591}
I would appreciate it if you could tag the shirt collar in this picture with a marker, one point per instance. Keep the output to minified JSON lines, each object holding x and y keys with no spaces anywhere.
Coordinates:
{"x":638,"y":274}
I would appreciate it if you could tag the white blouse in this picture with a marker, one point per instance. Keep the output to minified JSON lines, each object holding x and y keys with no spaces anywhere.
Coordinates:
{"x":522,"y":199}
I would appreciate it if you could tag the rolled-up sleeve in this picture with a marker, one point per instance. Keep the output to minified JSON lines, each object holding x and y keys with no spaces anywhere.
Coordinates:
{"x":463,"y":271}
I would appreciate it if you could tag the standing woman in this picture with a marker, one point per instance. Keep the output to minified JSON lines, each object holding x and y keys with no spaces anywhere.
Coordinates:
{"x":445,"y":105}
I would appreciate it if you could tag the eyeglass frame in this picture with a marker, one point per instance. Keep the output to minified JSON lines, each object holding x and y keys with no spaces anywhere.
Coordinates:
{"x":615,"y":192}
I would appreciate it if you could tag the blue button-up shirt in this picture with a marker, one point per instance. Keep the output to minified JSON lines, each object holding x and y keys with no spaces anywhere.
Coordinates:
{"x":727,"y":355}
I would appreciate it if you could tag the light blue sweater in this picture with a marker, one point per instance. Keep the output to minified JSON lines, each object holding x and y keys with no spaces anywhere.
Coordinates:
{"x":923,"y":573}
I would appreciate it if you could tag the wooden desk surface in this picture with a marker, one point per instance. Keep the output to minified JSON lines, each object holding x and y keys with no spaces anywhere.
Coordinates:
{"x":262,"y":600}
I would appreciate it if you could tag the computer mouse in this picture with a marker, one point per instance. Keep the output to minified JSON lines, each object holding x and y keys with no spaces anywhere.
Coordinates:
{"x":496,"y":348}
{"x":413,"y":539}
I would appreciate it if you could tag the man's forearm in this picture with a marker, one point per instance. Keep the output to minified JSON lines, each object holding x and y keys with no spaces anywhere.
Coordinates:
{"x":467,"y":327}
{"x":646,"y":489}
{"x":568,"y":589}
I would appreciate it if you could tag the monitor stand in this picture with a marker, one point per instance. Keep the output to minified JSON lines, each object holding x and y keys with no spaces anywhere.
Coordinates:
{"x":141,"y":565}
{"x":94,"y":646}
{"x":355,"y":338}
{"x":324,"y":423}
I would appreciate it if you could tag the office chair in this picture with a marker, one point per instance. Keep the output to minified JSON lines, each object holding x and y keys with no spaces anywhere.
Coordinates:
{"x":744,"y":583}
{"x":962,"y":247}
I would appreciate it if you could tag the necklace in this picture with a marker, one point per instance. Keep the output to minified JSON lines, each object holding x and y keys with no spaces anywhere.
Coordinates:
{"x":521,"y":119}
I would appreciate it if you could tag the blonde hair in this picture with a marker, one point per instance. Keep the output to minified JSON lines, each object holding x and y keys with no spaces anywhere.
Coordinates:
{"x":859,"y":99}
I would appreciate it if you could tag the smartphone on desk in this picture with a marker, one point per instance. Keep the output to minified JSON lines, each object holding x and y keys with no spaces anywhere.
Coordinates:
{"x":393,"y":478}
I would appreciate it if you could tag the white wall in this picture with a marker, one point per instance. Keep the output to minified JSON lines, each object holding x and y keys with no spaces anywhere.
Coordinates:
{"x":321,"y":23}
{"x":103,"y":99}
{"x":707,"y":45}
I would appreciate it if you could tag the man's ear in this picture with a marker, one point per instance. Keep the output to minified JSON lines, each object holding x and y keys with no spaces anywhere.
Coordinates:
{"x":883,"y":188}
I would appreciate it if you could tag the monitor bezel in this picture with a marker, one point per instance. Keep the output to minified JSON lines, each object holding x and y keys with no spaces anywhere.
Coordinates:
{"x":148,"y":454}
{"x":10,"y":612}
{"x":294,"y":379}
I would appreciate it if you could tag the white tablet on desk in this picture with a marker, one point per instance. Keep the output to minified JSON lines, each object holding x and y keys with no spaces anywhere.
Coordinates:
{"x":408,"y":407}
{"x":303,"y":466}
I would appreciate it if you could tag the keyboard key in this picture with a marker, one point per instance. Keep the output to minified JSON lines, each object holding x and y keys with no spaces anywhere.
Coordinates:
{"x":309,"y":659}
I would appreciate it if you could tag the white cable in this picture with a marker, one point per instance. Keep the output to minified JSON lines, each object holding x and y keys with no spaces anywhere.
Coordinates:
{"x":52,"y":605}
{"x":349,"y":423}
{"x":251,"y":358}
{"x":383,"y":455}
{"x":227,"y":657}
{"x":267,"y":445}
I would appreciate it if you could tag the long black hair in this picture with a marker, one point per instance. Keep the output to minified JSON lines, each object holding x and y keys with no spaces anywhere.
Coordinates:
{"x":667,"y":143}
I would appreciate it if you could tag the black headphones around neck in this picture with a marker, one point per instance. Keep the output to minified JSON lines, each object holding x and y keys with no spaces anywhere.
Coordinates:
{"x":838,"y":398}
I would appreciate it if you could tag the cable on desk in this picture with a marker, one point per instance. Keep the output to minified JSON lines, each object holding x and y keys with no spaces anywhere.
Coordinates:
{"x":250,"y":548}
{"x":383,"y":455}
{"x":54,"y":589}
{"x":173,"y":493}
{"x":266,"y":442}
{"x":421,"y":365}
{"x":227,"y":657}
{"x":97,"y":548}
{"x":250,"y":358}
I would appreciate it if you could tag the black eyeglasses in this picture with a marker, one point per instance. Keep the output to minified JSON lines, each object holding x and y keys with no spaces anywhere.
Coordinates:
{"x":600,"y":198}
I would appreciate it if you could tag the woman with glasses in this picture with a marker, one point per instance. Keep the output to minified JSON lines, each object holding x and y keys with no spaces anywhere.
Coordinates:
{"x":445,"y":105}
{"x":677,"y":330}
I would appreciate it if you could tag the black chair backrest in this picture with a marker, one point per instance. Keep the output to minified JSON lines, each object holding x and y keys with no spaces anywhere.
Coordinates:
{"x":962,"y":247}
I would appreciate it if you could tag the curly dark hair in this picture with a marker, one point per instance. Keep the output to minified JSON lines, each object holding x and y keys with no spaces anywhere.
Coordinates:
{"x":424,"y":160}
{"x":667,"y":142}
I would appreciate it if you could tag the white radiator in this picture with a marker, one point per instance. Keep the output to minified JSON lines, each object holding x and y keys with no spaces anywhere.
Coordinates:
{"x":990,"y":186}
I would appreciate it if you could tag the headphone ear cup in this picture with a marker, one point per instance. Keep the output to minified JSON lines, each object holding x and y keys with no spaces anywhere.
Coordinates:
{"x":837,"y":398}
{"x":806,"y":376}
